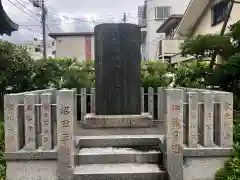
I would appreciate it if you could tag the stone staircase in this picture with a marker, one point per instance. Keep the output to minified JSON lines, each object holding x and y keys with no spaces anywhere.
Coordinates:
{"x":119,"y":158}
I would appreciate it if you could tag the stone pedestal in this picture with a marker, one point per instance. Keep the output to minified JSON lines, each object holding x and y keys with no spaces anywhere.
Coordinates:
{"x":118,"y":121}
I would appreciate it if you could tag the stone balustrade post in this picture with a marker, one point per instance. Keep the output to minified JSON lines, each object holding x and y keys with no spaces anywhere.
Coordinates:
{"x":66,"y":118}
{"x":174,"y":135}
{"x":226,"y":120}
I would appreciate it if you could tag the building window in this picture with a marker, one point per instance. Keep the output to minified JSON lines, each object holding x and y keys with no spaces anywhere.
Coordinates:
{"x":53,"y":52}
{"x":37,"y":50}
{"x":219,"y":12}
{"x":162,"y":12}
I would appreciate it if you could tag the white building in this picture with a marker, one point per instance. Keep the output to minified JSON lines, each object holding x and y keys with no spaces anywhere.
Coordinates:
{"x":35,"y":48}
{"x":79,"y":45}
{"x":200,"y":18}
{"x":151,"y":15}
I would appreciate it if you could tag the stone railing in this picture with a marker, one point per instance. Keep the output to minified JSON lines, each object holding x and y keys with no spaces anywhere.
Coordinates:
{"x":39,"y":133}
{"x":39,"y":125}
{"x":151,"y":101}
{"x":199,"y":127}
{"x":31,"y":117}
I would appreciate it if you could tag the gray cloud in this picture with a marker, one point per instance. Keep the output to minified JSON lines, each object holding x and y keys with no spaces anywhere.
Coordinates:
{"x":84,"y":15}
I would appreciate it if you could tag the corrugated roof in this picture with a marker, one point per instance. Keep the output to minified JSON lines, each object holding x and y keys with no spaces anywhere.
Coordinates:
{"x":170,"y":23}
{"x":55,"y":35}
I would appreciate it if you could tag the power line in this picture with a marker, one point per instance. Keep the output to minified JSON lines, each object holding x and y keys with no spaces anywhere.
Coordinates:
{"x":48,"y":28}
{"x":22,"y":10}
{"x":83,"y":19}
{"x":72,"y":22}
{"x":60,"y":23}
{"x":26,"y":2}
{"x":25,"y":7}
{"x":31,"y":30}
{"x":68,"y":17}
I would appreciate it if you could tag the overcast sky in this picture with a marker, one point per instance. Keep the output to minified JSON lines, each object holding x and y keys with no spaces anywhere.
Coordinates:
{"x":66,"y":15}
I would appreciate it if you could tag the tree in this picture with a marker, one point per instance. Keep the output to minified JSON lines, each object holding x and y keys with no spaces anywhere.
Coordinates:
{"x":15,"y":68}
{"x":225,"y":75}
{"x":210,"y":45}
{"x":153,"y":74}
{"x":49,"y":72}
{"x":191,"y":75}
{"x":218,"y":38}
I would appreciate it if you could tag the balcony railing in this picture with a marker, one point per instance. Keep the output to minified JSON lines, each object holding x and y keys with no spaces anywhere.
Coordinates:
{"x":169,"y":46}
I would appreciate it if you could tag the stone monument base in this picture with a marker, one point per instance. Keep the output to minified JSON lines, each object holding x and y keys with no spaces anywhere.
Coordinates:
{"x":118,"y":121}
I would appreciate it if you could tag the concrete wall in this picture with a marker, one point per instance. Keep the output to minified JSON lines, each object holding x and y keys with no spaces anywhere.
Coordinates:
{"x":34,"y":170}
{"x":205,"y":27}
{"x":202,"y":167}
{"x":73,"y":47}
{"x":153,"y":38}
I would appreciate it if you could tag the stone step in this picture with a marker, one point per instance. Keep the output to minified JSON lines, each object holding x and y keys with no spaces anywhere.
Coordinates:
{"x":118,"y":141}
{"x":118,"y":121}
{"x":111,"y":155}
{"x":129,"y":171}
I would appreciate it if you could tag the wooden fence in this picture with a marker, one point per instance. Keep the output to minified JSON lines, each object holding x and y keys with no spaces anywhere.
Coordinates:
{"x":198,"y":116}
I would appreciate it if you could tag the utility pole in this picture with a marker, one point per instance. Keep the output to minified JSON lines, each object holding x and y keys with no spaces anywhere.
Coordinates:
{"x":44,"y":29}
{"x":40,"y":4}
{"x":124,"y":18}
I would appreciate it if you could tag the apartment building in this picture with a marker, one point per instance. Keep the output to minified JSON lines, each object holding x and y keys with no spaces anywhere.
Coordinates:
{"x":151,"y":15}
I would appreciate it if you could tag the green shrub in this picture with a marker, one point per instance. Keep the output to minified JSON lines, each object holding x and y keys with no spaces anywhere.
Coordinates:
{"x":231,"y":170}
{"x":16,"y":67}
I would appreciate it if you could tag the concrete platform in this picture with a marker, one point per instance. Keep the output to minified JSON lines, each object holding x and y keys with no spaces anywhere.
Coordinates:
{"x":111,"y":155}
{"x":118,"y":141}
{"x":118,"y":121}
{"x":158,"y":128}
{"x":129,"y":171}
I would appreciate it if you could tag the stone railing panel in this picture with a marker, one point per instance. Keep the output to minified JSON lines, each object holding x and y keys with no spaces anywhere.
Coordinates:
{"x":46,"y":121}
{"x":30,"y":101}
{"x":11,"y":122}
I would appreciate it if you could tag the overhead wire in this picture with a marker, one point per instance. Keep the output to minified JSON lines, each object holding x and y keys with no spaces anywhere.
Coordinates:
{"x":22,"y":10}
{"x":26,"y":7}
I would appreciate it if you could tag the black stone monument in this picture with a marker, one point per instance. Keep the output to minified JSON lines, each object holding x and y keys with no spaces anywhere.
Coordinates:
{"x":117,"y":63}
